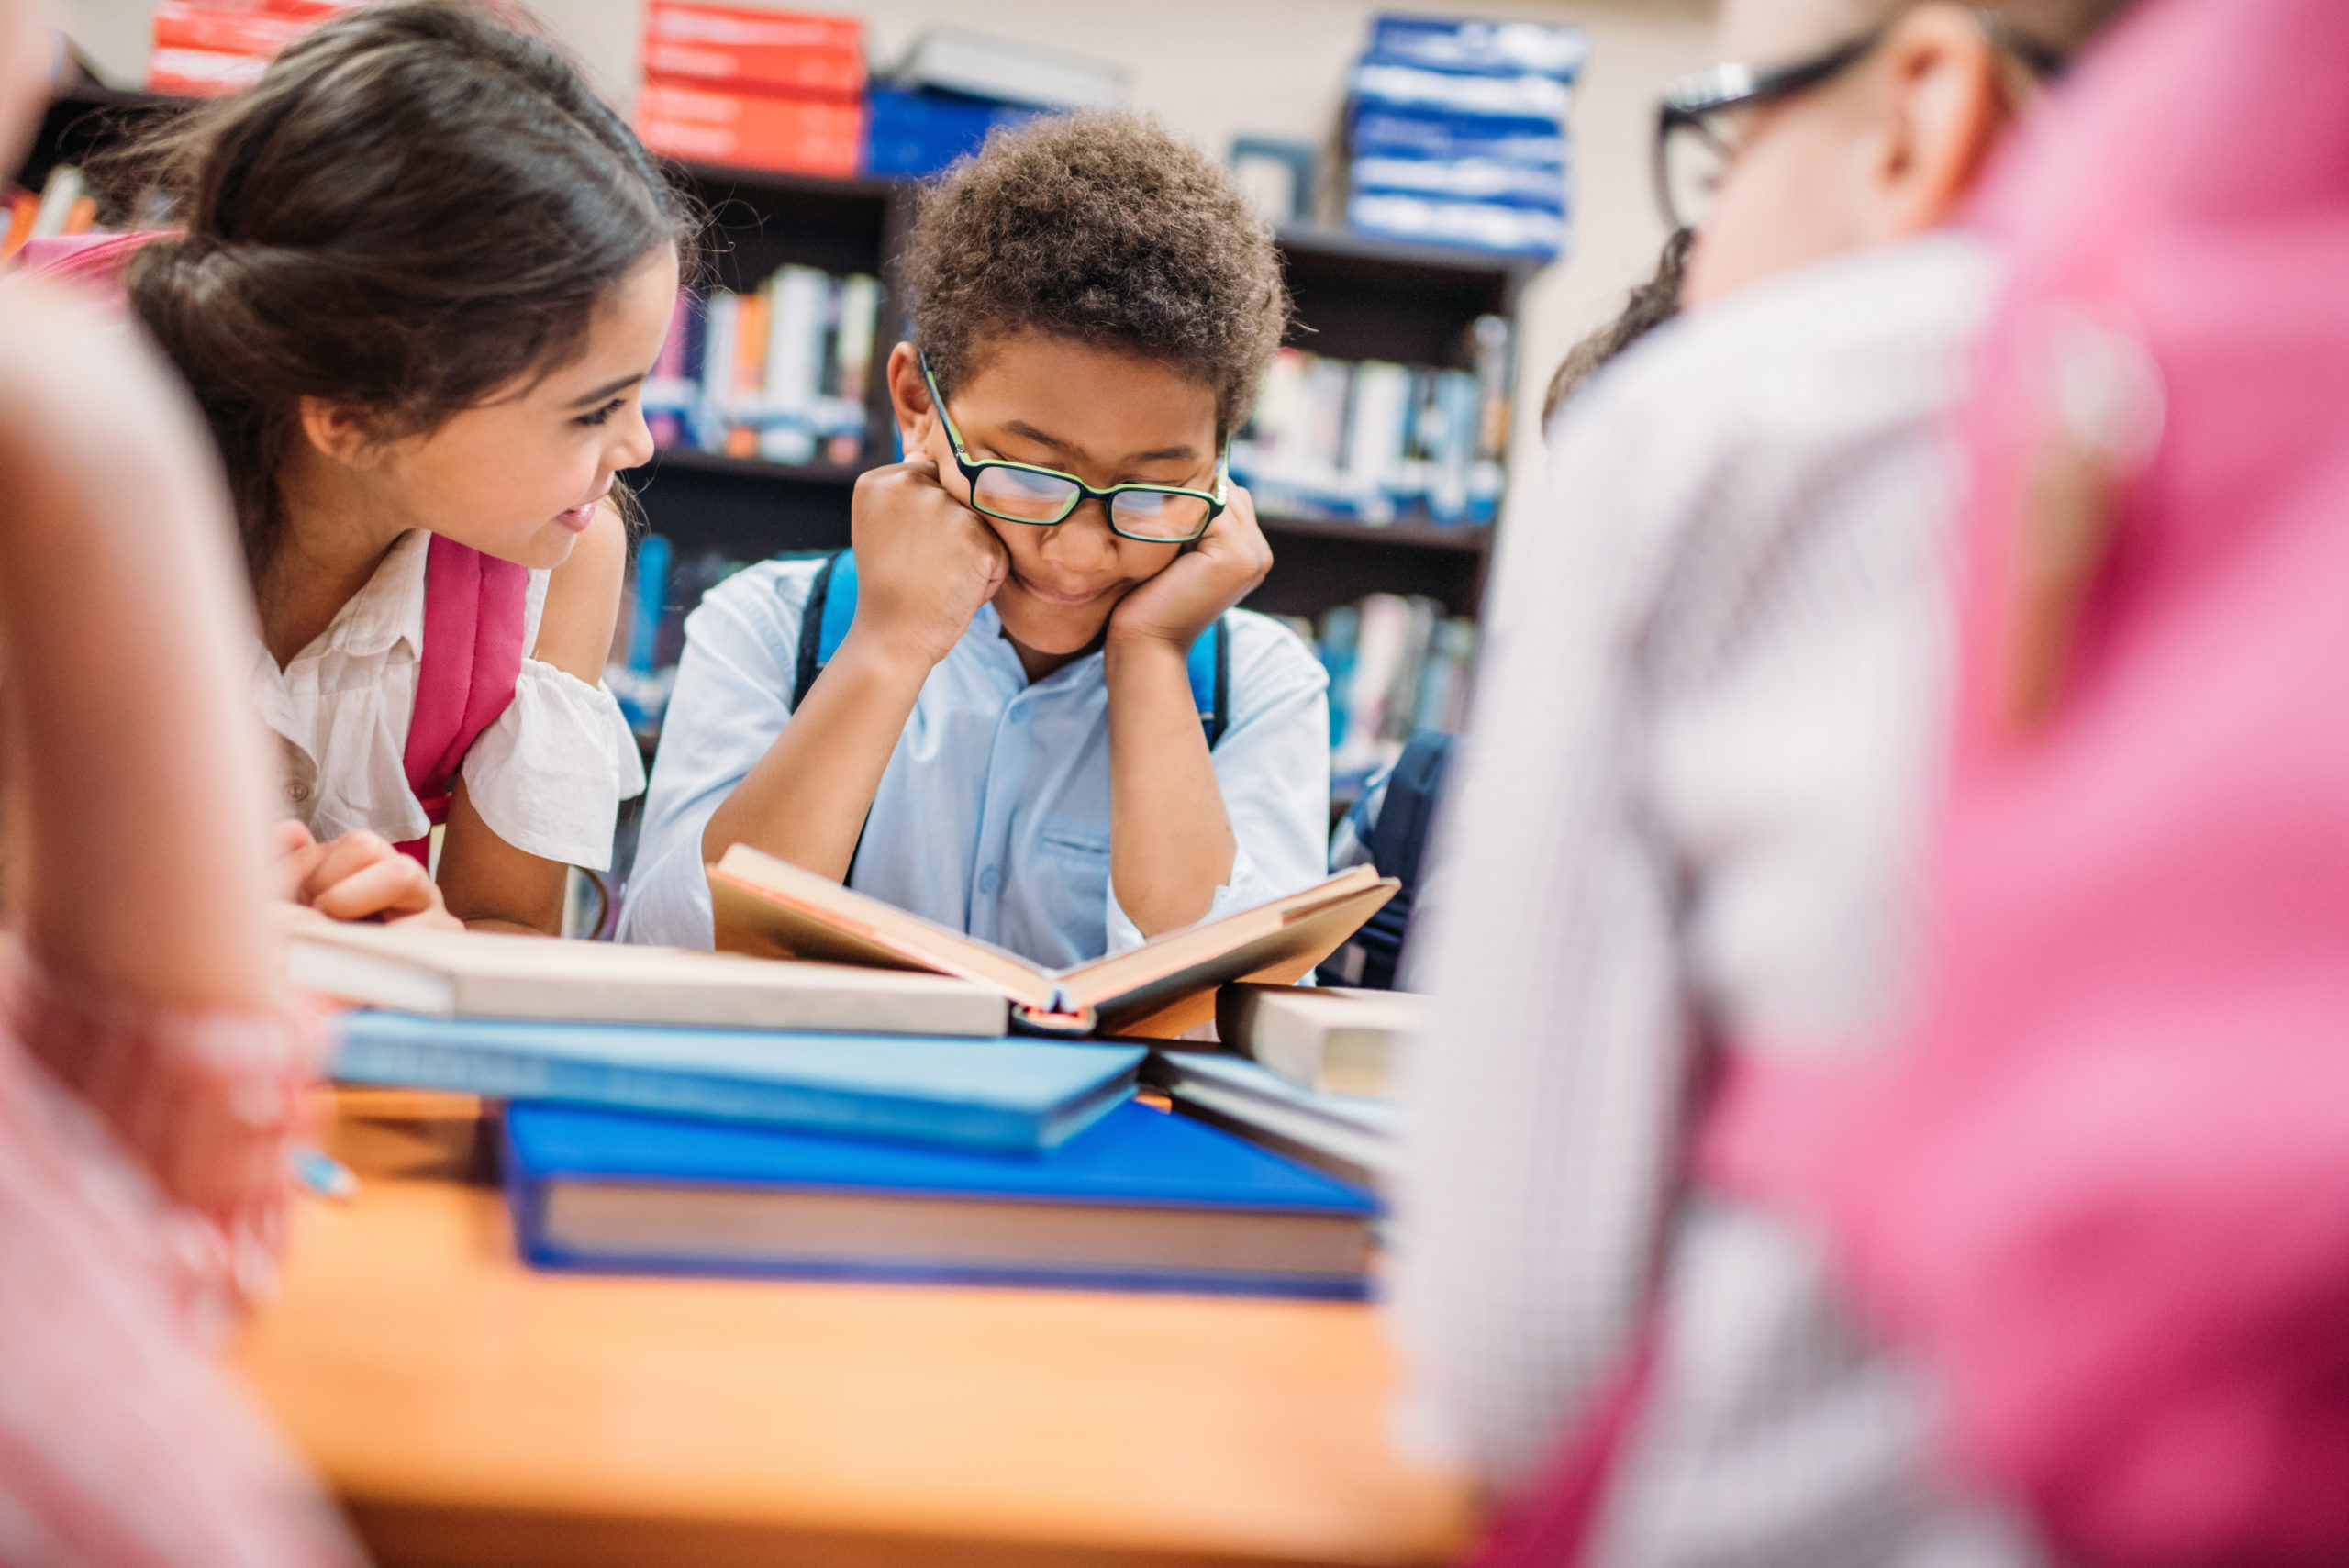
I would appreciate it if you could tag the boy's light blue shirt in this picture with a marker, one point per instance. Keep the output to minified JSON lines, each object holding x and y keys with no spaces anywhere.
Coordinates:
{"x":993,"y":817}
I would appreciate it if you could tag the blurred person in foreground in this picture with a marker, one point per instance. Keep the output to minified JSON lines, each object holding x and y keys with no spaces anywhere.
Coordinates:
{"x":150,"y":1077}
{"x":1688,"y":805}
{"x":2100,"y":1186}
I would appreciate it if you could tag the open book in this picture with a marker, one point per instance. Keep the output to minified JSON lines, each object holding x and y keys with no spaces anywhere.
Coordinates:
{"x":771,"y":908}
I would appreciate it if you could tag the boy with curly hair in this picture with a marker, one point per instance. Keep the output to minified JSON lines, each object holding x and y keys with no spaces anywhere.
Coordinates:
{"x":1006,"y":739}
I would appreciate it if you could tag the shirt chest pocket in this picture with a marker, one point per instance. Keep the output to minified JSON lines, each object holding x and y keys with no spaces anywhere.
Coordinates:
{"x":1081,"y":842}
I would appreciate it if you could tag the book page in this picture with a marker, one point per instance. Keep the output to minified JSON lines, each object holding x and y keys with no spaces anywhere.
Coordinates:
{"x":1163,"y":987}
{"x":761,"y":904}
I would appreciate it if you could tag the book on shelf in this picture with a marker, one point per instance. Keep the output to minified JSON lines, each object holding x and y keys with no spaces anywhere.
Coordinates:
{"x":1007,"y":1097}
{"x":1351,"y":1136}
{"x":752,"y":130}
{"x":767,"y":907}
{"x":1456,"y":133}
{"x":1376,"y":442}
{"x":1397,"y":666}
{"x":1141,"y":1201}
{"x":780,"y":372}
{"x":911,"y":132}
{"x":62,"y":206}
{"x":474,"y":974}
{"x":1324,"y":1038}
{"x":207,"y":49}
{"x":787,"y":53}
{"x":1002,"y":70}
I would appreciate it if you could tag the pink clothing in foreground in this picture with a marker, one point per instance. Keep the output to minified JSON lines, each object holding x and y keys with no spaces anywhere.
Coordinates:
{"x":142,"y":1197}
{"x":2103,"y":1188}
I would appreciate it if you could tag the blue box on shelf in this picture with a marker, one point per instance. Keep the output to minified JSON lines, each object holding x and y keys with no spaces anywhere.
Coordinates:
{"x":912,"y":132}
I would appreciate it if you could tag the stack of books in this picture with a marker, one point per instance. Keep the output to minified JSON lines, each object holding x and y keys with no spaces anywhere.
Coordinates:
{"x":1376,"y":442}
{"x":757,"y":89}
{"x":1456,"y":133}
{"x":955,"y":86}
{"x":206,"y":48}
{"x":780,"y":373}
{"x":767,"y":1113}
{"x":1309,"y":1073}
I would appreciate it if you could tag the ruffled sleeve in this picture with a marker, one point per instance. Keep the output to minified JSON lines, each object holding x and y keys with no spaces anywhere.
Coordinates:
{"x":206,"y":1102}
{"x":550,"y":775}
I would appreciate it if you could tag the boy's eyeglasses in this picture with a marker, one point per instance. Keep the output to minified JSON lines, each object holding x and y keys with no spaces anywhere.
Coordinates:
{"x":1698,"y":120}
{"x":1023,"y":493}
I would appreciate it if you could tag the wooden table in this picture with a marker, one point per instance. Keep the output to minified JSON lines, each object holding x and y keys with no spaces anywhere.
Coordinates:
{"x":469,"y":1411}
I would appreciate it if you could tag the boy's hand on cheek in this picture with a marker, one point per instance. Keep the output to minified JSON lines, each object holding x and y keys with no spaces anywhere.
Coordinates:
{"x":925,"y":563}
{"x":1200,"y":584}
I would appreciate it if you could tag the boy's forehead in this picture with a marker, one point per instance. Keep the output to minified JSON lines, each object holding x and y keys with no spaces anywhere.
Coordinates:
{"x":1765,"y":33}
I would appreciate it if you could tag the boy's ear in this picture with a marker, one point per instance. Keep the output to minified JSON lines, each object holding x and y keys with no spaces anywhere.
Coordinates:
{"x":342,"y":432}
{"x":910,"y":396}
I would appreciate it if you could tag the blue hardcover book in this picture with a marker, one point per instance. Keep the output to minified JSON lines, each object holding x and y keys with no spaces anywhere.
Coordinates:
{"x":1010,"y":1097}
{"x":1142,"y":1201}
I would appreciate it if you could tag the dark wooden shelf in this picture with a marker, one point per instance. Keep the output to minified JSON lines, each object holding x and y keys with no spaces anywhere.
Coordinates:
{"x":693,"y":460}
{"x":1465,"y":539}
{"x":1329,"y":240}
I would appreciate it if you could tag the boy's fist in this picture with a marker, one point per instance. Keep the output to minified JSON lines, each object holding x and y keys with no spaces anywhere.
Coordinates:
{"x":1202,"y":583}
{"x":925,"y":563}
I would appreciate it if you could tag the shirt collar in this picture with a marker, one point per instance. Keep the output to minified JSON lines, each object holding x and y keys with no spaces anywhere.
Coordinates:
{"x":388,"y":610}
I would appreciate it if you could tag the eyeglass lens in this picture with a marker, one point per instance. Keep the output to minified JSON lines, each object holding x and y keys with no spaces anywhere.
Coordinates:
{"x":1024,"y":495}
{"x":1695,"y":159}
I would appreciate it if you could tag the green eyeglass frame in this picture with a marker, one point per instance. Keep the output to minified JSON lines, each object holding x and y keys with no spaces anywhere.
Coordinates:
{"x":1061,"y":502}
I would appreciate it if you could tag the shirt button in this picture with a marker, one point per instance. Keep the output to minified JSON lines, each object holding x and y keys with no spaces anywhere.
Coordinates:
{"x":987,"y":880}
{"x":297,"y":792}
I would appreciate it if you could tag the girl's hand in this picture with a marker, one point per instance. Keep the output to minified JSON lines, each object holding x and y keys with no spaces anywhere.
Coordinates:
{"x":925,"y":563}
{"x":1202,"y":583}
{"x":358,"y":876}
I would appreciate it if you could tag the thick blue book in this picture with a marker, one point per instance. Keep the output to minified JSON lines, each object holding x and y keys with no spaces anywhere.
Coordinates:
{"x":1142,"y":1201}
{"x":1012,"y":1097}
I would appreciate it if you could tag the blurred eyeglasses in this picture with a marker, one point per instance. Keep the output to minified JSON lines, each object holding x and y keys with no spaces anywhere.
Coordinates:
{"x":1701,"y":117}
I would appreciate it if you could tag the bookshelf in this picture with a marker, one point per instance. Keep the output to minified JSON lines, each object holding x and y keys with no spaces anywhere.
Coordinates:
{"x":1358,"y":297}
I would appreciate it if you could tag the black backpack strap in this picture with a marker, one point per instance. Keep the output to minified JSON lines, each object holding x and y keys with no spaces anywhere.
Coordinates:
{"x":1398,"y":842}
{"x":1221,"y":718}
{"x":811,"y":632}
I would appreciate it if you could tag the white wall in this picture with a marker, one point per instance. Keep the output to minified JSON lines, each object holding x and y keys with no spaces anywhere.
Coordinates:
{"x":1217,"y":68}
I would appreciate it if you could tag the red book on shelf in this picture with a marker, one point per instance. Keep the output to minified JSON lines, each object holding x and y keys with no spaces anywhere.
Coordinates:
{"x":759,"y":51}
{"x":219,"y":29}
{"x":201,"y":72}
{"x":792,"y":136}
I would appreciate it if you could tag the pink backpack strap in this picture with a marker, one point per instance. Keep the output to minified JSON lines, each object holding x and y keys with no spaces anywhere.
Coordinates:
{"x":475,"y":606}
{"x":94,"y":260}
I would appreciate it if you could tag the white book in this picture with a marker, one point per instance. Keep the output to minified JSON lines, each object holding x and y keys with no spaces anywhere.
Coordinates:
{"x":1378,"y":655}
{"x":478,"y":975}
{"x":718,"y":367}
{"x":1323,"y":1038}
{"x":1382,"y":413}
{"x":58,"y":195}
{"x":799,"y":299}
{"x":984,"y":66}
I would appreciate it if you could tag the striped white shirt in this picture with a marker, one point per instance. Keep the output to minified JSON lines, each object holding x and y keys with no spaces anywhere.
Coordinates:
{"x":1715,"y":677}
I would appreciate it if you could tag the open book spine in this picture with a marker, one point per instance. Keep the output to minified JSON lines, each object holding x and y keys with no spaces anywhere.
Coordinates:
{"x":1064,"y":1017}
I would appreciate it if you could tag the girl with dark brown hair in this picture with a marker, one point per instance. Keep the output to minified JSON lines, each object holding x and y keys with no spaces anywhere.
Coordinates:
{"x":418,"y":277}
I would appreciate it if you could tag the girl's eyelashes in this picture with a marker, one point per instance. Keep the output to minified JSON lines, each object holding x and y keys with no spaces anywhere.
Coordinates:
{"x":600,"y":415}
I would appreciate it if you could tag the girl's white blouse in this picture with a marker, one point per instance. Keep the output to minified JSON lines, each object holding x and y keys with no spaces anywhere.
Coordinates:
{"x":546,"y":777}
